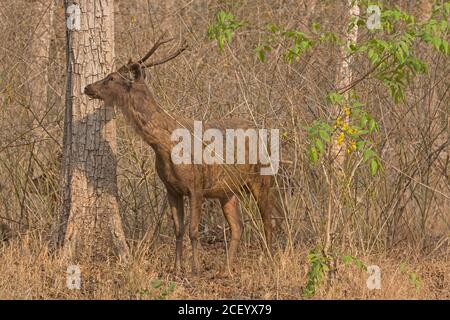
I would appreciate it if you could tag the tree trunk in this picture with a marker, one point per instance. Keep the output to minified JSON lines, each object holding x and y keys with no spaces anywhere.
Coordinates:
{"x":91,"y":227}
{"x":40,"y":53}
{"x":343,"y":80}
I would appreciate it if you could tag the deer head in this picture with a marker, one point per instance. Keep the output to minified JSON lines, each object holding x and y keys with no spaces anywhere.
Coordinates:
{"x":116,"y":85}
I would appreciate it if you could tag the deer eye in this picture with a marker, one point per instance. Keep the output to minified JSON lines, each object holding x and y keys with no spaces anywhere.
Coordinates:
{"x":111,"y":79}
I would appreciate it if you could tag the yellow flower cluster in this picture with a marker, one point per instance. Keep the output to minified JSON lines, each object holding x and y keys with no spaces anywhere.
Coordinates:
{"x":338,"y":123}
{"x":345,"y":131}
{"x":347,"y":111}
{"x":340,"y":138}
{"x":351,"y":146}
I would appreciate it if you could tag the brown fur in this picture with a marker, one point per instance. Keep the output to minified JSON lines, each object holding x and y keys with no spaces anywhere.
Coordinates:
{"x":126,"y":89}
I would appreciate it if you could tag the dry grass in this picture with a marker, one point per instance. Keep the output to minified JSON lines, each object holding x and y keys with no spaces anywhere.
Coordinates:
{"x":30,"y":272}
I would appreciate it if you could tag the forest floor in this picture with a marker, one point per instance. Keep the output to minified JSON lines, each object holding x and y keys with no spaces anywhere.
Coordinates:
{"x":28,"y":271}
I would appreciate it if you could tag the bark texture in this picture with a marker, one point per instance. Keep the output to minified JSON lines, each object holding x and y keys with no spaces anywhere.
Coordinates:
{"x":344,"y":78}
{"x":91,"y":225}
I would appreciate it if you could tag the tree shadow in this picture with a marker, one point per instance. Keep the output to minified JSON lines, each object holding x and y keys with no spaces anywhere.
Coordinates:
{"x":93,"y":155}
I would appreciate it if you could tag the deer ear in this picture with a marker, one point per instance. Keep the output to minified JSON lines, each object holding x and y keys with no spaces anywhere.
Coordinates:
{"x":136,"y":72}
{"x":130,"y":61}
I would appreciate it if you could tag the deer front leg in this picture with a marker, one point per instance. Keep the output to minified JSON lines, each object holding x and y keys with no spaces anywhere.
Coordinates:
{"x":177,"y":211}
{"x":230,"y":208}
{"x":196,"y":209}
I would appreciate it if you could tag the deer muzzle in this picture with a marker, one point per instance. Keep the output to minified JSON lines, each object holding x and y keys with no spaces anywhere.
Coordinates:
{"x":90,"y":92}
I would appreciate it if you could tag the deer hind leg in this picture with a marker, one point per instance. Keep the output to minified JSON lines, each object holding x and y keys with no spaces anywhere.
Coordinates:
{"x":261,"y":193}
{"x":196,"y":209}
{"x":177,"y":210}
{"x":230,"y":207}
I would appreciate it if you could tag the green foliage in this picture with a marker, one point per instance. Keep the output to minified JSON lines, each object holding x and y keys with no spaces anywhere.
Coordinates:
{"x":318,"y":267}
{"x":223,"y":28}
{"x":156,"y":283}
{"x":159,"y":290}
{"x":335,"y":98}
{"x":261,"y":51}
{"x":391,"y":49}
{"x":391,"y":53}
{"x":413,"y":278}
{"x":351,"y":260}
{"x":299,"y":42}
{"x":319,"y":136}
{"x":435,"y":32}
{"x":355,"y":132}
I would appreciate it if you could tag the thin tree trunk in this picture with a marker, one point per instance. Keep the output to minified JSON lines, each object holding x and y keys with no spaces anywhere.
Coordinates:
{"x":40,"y":53}
{"x":343,"y":80}
{"x":91,"y":226}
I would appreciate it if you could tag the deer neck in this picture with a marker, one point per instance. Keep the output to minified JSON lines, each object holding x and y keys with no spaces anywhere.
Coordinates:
{"x":152,"y":123}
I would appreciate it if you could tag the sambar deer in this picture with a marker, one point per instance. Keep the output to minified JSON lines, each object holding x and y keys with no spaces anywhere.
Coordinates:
{"x":126,"y":88}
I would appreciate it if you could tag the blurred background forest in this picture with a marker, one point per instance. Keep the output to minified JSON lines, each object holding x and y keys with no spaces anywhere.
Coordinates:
{"x":397,"y":219}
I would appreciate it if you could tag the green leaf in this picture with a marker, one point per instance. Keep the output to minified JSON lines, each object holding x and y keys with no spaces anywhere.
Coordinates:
{"x":360,"y":145}
{"x":373,"y":167}
{"x":335,"y":98}
{"x":436,"y":42}
{"x":273,"y":28}
{"x":373,"y":56}
{"x":221,"y":42}
{"x":447,"y":8}
{"x":156,"y":283}
{"x":444,"y":48}
{"x":363,"y":120}
{"x":313,"y":156}
{"x":324,"y":135}
{"x":372,"y":125}
{"x":315,"y":26}
{"x":227,"y":34}
{"x":359,"y":264}
{"x":261,"y":53}
{"x":171,"y":287}
{"x":347,"y":259}
{"x":415,"y":280}
{"x":319,"y":145}
{"x":223,"y":28}
{"x":368,"y":153}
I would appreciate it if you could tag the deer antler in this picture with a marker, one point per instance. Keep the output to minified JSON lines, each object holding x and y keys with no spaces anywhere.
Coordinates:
{"x":158,"y":43}
{"x":170,"y":57}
